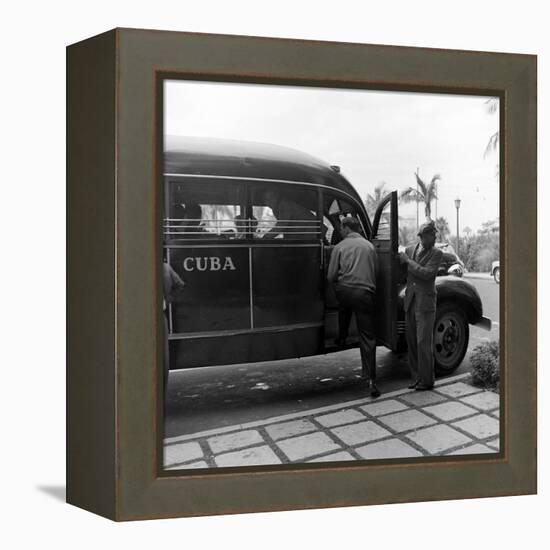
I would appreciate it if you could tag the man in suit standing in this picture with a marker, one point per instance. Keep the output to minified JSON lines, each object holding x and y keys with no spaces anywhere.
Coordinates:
{"x":422,"y":261}
{"x":352,"y":271}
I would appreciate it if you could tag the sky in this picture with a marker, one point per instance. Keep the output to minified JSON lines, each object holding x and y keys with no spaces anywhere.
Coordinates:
{"x":373,"y":136}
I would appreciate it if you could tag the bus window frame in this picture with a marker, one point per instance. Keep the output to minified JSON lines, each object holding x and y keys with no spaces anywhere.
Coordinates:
{"x":281,"y":241}
{"x":213,"y":238}
{"x":336,"y":194}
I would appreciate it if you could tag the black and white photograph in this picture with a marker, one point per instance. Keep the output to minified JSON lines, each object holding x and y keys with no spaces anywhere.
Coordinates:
{"x":331,"y":275}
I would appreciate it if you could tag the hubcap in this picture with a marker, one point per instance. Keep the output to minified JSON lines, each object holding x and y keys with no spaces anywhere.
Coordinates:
{"x":447,"y":339}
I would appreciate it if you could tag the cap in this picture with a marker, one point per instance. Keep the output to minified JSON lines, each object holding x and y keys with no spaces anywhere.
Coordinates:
{"x":428,"y":227}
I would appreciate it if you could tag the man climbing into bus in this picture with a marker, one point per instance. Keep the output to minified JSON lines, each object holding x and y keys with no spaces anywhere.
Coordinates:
{"x":352,"y":271}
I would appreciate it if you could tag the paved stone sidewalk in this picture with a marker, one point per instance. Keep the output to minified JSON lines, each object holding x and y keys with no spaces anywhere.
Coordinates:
{"x":453,"y":419}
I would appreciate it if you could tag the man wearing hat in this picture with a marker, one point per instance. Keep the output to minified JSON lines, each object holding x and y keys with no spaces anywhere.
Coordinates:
{"x":352,"y":271}
{"x":422,"y":261}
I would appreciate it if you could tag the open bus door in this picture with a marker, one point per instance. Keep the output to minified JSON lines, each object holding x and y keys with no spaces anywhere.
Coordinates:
{"x":385,"y":237}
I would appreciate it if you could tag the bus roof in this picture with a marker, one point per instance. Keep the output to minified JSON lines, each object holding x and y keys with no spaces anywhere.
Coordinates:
{"x":246,"y":159}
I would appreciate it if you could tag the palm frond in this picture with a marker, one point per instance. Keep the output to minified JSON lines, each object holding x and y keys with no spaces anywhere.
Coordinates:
{"x":493,"y":144}
{"x":411,"y":195}
{"x":492,"y":105}
{"x":431,"y":191}
{"x":421,"y":183}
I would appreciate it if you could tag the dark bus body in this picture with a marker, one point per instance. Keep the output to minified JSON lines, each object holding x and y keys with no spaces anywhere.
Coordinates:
{"x":249,"y":228}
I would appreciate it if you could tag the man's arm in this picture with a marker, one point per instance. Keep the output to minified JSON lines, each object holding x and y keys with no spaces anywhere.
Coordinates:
{"x":334,"y":264}
{"x":177,"y":284}
{"x":427,"y":272}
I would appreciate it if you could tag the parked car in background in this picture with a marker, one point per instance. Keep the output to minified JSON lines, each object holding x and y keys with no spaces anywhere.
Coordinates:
{"x":495,"y":271}
{"x":451,"y":264}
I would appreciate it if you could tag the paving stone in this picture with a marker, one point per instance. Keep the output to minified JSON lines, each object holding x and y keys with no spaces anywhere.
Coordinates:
{"x":333,"y":457}
{"x":480,"y":426}
{"x":476,"y":448}
{"x":288,"y":429}
{"x":406,"y":420}
{"x":451,"y":410}
{"x":422,"y":398}
{"x":486,"y":400}
{"x":496,"y":413}
{"x":458,"y":389}
{"x":383,"y":407}
{"x":494,"y":443}
{"x":437,"y":439}
{"x":361,"y":432}
{"x":341,"y":417}
{"x":304,"y":446}
{"x":182,"y":452}
{"x":191,"y":466}
{"x":235,"y":440}
{"x":256,"y":456}
{"x":389,"y":448}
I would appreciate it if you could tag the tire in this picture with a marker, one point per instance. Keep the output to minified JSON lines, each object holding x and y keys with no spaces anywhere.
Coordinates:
{"x":496,"y":275}
{"x":451,"y":336}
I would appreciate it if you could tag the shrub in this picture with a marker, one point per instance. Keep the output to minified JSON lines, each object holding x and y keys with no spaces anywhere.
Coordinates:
{"x":485,"y":365}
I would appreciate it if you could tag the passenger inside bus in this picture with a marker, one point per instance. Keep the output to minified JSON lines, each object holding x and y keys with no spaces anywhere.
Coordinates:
{"x":242,"y":223}
{"x":293,"y":220}
{"x":192,"y":224}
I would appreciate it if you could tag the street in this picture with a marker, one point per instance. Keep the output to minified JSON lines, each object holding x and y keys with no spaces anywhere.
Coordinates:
{"x":217,"y":397}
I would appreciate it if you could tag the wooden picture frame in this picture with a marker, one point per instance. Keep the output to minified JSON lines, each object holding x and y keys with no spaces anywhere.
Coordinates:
{"x":114,"y":260}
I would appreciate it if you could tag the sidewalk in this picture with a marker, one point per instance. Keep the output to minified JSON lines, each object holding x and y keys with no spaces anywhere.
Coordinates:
{"x":455,"y":418}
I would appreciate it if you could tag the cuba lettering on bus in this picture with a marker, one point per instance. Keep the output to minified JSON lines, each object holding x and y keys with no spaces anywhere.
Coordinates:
{"x":208,"y":263}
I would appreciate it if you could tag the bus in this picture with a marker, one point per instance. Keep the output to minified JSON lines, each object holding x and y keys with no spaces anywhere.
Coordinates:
{"x":249,"y":228}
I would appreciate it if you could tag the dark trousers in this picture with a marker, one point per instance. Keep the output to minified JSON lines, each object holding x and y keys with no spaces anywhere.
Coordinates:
{"x":361,"y":303}
{"x":420,"y":335}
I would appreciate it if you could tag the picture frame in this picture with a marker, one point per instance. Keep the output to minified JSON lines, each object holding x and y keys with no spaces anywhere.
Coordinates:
{"x":114,"y":327}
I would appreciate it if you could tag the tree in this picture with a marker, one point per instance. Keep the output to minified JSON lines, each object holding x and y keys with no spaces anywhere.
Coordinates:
{"x":373,"y":200}
{"x":479,"y":250}
{"x":407,"y":234}
{"x":443,"y":229}
{"x":492,"y":105}
{"x":426,"y":193}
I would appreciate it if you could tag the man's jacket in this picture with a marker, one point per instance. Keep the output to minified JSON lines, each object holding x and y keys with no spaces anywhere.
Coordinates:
{"x":421,"y":274}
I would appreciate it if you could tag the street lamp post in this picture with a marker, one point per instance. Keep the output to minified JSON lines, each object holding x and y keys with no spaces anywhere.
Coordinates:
{"x":457,"y":205}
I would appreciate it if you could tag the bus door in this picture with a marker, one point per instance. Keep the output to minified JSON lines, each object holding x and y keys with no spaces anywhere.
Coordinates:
{"x":287,"y":278}
{"x":205,"y":244}
{"x":386,"y":240}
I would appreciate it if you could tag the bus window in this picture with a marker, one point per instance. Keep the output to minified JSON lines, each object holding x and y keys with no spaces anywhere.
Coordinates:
{"x":329,"y":232}
{"x":203,"y":209}
{"x":285,"y":212}
{"x":335,"y":210}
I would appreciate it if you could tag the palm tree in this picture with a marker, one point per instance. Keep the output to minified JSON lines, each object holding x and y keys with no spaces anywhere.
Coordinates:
{"x":443,"y":228}
{"x":425,"y":192}
{"x":373,"y":200}
{"x":407,"y":234}
{"x":492,"y":145}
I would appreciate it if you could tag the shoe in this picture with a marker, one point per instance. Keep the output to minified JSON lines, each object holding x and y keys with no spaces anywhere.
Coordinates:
{"x":374,"y":391}
{"x":423,"y":387}
{"x":413,"y":385}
